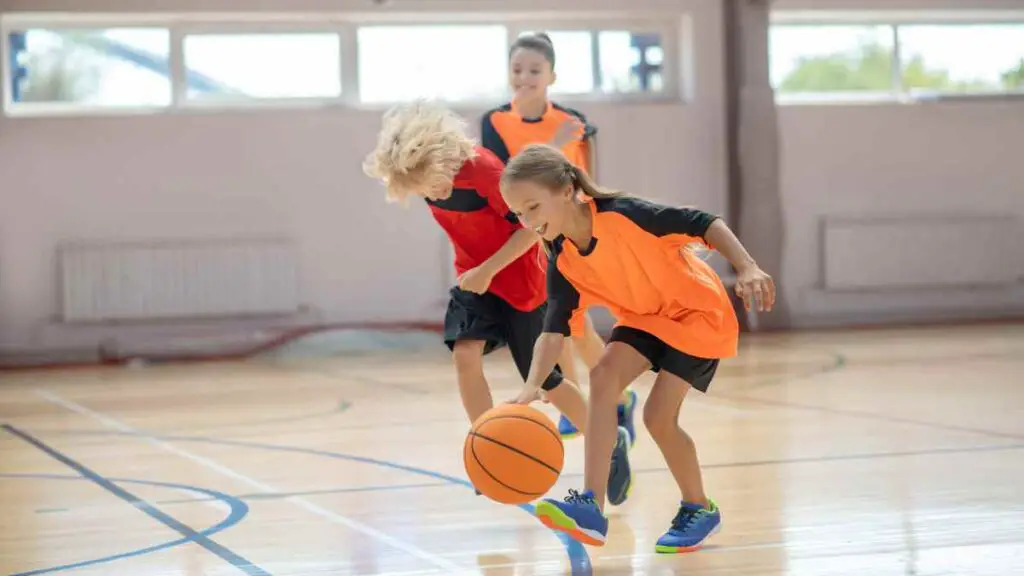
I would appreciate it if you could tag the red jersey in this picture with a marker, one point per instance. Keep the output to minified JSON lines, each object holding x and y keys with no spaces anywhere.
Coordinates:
{"x":478,"y":223}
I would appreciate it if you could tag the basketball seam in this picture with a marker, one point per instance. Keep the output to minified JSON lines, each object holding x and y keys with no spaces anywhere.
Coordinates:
{"x":504,"y":416}
{"x":472,"y":449}
{"x":516,"y":450}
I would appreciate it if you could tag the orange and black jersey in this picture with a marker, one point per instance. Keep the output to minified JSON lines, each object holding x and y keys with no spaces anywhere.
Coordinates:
{"x":637,"y":266}
{"x":506,"y":132}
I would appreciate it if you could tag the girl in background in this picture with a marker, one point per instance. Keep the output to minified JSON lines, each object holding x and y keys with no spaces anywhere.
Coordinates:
{"x":532,"y":118}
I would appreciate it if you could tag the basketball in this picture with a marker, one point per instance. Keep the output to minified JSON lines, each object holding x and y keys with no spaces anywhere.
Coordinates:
{"x":513,"y":454}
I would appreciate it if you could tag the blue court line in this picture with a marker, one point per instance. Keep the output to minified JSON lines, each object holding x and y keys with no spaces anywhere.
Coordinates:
{"x":579,"y":560}
{"x":159,"y":515}
{"x":238,"y":511}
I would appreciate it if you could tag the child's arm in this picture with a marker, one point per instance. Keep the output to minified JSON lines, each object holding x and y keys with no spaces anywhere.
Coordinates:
{"x":751,"y":281}
{"x":661,"y":220}
{"x":479,"y":279}
{"x":546,"y":351}
{"x":563,"y":314}
{"x":488,"y":179}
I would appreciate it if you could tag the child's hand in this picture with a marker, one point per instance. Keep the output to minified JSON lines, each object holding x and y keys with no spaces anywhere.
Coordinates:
{"x":526,"y":396}
{"x":477,"y":280}
{"x":569,"y":130}
{"x":754,"y":285}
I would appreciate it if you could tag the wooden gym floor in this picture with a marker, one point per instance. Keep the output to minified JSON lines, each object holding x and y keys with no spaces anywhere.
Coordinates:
{"x":867,"y":452}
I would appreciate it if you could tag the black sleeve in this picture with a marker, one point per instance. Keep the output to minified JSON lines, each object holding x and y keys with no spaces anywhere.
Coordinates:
{"x":659,"y":219}
{"x":490,"y":139}
{"x":563,"y":300}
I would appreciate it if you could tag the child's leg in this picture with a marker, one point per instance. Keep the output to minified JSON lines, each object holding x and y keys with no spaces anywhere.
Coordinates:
{"x":472,"y":328}
{"x":468,"y":356}
{"x":581,"y":515}
{"x":567,"y":364}
{"x":661,"y":417}
{"x":698,"y":516}
{"x":618,"y":367}
{"x":590,"y":347}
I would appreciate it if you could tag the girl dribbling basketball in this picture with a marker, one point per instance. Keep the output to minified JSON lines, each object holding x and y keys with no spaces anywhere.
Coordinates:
{"x":674,"y":317}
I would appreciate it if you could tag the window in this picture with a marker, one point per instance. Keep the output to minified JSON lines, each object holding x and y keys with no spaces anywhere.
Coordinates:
{"x":630,"y":62}
{"x":86,"y":63}
{"x":457,"y":62}
{"x":962,"y":58}
{"x":831,"y":59}
{"x":809,"y":60}
{"x":117,"y":67}
{"x":248,"y":66}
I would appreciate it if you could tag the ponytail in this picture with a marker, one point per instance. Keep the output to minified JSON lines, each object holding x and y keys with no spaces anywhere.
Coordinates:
{"x":582,"y":182}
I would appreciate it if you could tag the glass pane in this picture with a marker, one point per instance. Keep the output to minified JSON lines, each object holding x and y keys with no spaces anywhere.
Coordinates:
{"x":289,"y":65}
{"x":630,"y":62}
{"x":117,"y":67}
{"x":574,"y":61}
{"x":963,"y":58}
{"x":832,"y":58}
{"x":458,"y":62}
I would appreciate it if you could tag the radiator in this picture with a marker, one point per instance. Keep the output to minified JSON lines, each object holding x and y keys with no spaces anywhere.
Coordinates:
{"x":920,"y":251}
{"x":177,"y":279}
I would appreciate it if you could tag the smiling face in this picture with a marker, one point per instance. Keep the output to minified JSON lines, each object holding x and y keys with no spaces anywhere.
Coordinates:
{"x":540,"y":208}
{"x":530,"y":74}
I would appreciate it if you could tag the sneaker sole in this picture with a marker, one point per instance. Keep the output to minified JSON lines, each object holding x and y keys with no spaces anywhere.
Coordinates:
{"x":569,"y":436}
{"x":553,"y":517}
{"x":686,"y":549}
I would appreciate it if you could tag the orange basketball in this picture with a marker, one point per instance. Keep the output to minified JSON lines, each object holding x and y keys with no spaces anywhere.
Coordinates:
{"x":513,"y":454}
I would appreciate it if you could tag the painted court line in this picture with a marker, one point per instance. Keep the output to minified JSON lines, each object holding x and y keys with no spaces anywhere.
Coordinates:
{"x":333,"y":517}
{"x":171,"y":522}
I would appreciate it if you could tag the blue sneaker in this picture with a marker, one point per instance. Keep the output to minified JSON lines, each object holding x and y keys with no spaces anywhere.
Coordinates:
{"x":566,"y":429}
{"x":626,"y":415}
{"x":690,"y":528}
{"x":620,"y":477}
{"x":578,"y":516}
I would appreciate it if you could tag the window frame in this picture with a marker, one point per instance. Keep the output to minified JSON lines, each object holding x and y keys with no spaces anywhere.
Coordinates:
{"x":31,"y":109}
{"x":671,"y":29}
{"x":895,"y":20}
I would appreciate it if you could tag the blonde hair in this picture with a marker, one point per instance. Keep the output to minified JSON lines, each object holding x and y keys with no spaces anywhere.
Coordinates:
{"x":547,"y":166}
{"x":419,"y":144}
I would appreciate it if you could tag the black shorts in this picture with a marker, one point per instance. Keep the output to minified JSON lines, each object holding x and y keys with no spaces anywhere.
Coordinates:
{"x":697,"y":372}
{"x":489,"y":318}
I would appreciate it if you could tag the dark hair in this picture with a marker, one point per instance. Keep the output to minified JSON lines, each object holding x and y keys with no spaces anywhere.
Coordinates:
{"x":538,"y":42}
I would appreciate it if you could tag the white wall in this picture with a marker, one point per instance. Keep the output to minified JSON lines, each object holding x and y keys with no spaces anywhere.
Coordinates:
{"x":951,"y":159}
{"x":297,"y":173}
{"x":958,"y":158}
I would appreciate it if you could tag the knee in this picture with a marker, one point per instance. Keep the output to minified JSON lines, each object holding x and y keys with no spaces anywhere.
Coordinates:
{"x":659,"y":419}
{"x":468,"y":354}
{"x":605,"y":385}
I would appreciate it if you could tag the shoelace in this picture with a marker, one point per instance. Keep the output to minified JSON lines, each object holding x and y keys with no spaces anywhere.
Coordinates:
{"x":575,"y":497}
{"x":684,"y":518}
